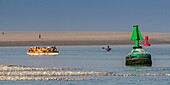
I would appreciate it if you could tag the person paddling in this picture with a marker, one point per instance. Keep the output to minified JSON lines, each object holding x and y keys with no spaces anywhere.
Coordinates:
{"x":107,"y":49}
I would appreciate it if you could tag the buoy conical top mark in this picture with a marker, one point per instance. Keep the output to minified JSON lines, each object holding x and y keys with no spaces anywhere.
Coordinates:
{"x":136,"y":35}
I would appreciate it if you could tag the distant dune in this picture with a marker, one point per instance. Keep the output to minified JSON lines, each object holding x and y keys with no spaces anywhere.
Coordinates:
{"x":77,"y":38}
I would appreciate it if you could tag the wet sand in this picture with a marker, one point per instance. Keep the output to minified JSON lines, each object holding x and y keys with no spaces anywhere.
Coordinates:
{"x":77,"y":38}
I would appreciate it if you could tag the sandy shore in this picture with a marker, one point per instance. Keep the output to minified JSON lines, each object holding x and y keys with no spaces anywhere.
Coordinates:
{"x":76,"y":38}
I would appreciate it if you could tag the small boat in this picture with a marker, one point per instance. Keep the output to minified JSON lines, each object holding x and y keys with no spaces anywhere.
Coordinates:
{"x":44,"y":54}
{"x":43,"y":51}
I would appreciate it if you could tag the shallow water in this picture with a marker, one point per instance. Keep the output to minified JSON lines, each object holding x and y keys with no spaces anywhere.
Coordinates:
{"x":93,"y":58}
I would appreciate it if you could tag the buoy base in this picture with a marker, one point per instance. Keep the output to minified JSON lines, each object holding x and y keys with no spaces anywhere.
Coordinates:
{"x":138,"y":61}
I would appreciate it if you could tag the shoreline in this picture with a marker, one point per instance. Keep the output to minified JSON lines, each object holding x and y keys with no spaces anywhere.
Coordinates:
{"x":77,"y":38}
{"x":72,"y":43}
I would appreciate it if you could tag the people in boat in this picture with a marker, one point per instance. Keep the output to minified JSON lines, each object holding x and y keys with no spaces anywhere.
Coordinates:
{"x":42,"y":49}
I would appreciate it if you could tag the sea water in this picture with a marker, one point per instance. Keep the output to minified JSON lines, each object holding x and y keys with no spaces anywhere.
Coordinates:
{"x":93,"y":59}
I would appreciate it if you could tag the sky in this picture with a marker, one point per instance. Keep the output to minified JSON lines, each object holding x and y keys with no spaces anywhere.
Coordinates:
{"x":85,"y":15}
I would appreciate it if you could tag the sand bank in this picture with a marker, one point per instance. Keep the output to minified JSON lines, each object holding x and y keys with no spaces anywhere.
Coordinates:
{"x":76,"y":38}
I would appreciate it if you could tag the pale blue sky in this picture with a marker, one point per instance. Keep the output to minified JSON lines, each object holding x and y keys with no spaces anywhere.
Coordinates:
{"x":85,"y":15}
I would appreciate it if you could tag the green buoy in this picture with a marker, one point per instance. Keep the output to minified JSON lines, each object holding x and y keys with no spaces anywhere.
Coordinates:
{"x":138,"y":57}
